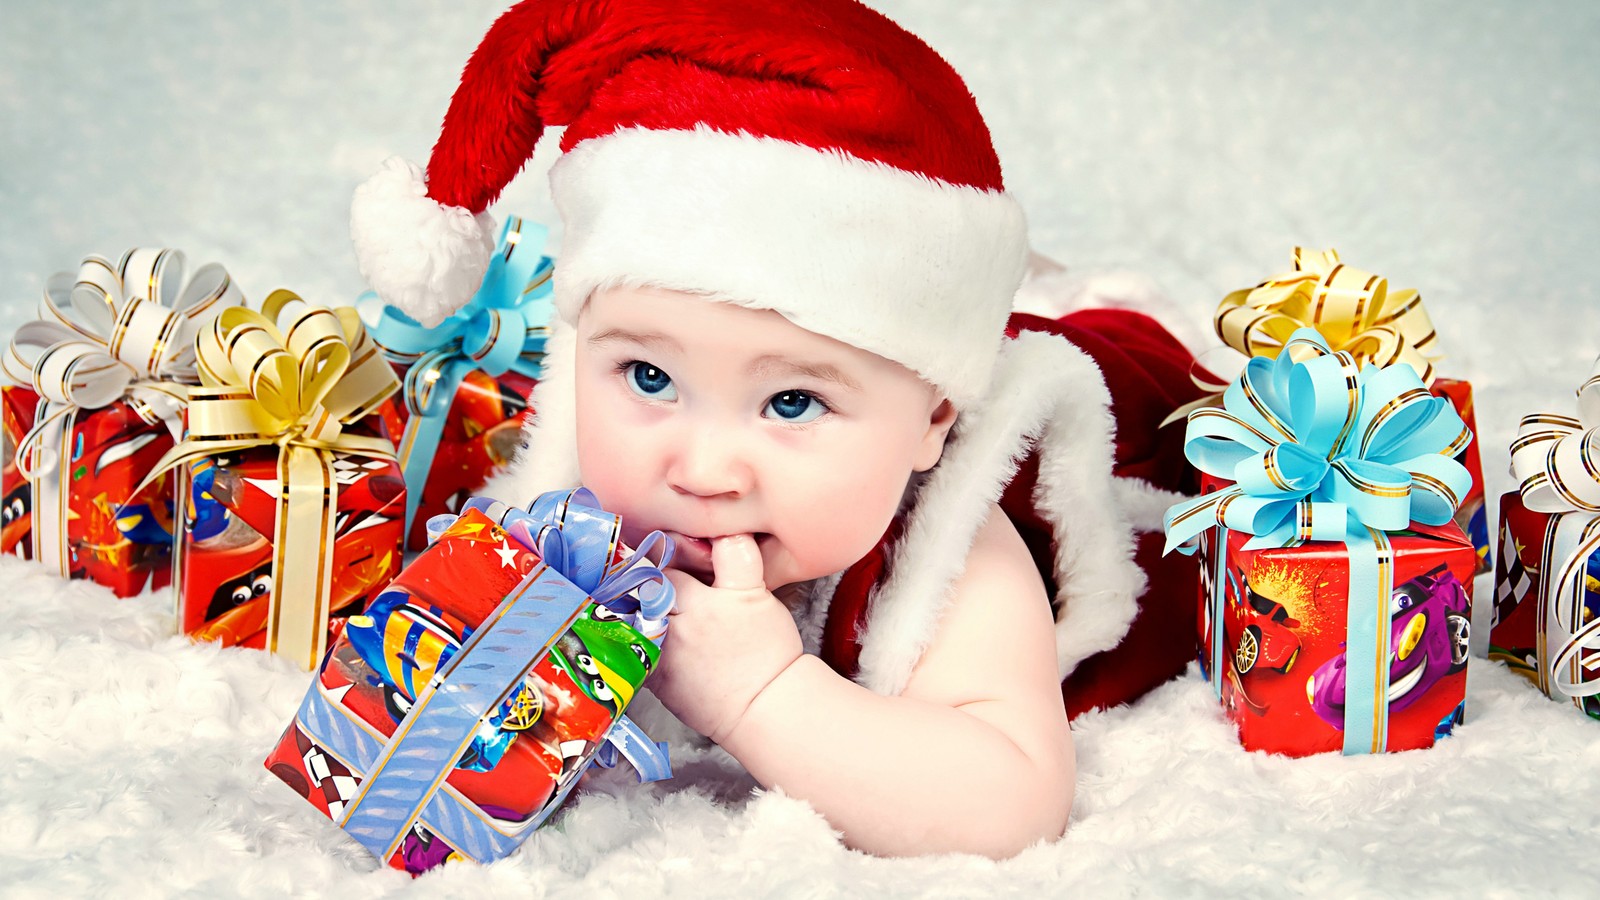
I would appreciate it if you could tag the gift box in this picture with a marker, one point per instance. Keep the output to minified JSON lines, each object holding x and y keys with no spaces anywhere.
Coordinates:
{"x":1528,"y":629}
{"x":1335,"y":613}
{"x":1547,"y":579}
{"x":455,"y":715}
{"x":1356,"y":312}
{"x":293,"y":503}
{"x":1277,"y":631}
{"x":98,"y":384}
{"x":460,"y":412}
{"x":225,"y":564}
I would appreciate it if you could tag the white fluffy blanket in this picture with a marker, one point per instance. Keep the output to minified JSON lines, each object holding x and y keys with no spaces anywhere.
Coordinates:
{"x":1448,"y":145}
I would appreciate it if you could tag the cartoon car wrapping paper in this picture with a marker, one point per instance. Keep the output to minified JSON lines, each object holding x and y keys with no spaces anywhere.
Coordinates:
{"x":525,"y":754}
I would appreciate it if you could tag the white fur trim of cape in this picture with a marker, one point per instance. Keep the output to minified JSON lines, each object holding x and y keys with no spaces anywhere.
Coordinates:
{"x":426,"y":259}
{"x":915,"y":270}
{"x":1045,"y":391}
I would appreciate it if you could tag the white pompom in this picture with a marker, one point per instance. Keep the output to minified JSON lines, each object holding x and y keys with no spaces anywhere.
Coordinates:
{"x":422,"y":257}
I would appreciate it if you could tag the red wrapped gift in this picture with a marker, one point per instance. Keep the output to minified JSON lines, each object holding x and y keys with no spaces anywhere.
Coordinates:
{"x":1279,"y":657}
{"x":294,"y":515}
{"x":91,"y":523}
{"x":393,"y":715}
{"x":1547,"y":580}
{"x":1472,"y":515}
{"x":1335,"y":611}
{"x":225,"y":561}
{"x":98,"y":385}
{"x":481,"y":432}
{"x":459,"y":416}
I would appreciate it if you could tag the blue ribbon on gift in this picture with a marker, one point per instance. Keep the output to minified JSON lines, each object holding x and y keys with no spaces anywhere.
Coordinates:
{"x":501,"y":329}
{"x":1321,"y":449}
{"x":405,"y":774}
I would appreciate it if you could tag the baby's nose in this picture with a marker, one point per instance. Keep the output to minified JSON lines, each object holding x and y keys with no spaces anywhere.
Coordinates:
{"x":710,"y":463}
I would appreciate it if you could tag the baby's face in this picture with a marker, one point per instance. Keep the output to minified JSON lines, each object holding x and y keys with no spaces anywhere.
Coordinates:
{"x":703,"y":419}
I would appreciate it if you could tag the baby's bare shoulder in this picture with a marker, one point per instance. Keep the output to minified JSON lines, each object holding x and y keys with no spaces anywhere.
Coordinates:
{"x":998,"y":610}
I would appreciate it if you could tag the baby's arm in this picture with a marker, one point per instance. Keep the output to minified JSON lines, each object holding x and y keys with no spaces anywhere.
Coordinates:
{"x":975,"y":755}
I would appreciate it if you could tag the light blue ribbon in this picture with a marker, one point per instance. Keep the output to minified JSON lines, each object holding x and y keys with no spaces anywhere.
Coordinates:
{"x":1320,"y":449}
{"x":404,"y":774}
{"x":501,"y":329}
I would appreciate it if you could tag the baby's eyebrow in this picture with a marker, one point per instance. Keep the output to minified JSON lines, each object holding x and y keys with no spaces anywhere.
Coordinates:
{"x":767,"y":366}
{"x":643,"y":338}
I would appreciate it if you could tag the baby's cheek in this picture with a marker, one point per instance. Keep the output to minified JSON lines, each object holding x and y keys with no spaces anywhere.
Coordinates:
{"x":843,"y":524}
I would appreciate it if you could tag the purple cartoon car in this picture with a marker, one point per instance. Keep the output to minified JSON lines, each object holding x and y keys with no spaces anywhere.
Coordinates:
{"x":1428,"y":639}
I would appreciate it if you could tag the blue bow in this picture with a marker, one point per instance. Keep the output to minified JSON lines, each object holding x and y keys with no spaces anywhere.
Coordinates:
{"x":577,"y":538}
{"x":501,"y":329}
{"x":1317,"y":448}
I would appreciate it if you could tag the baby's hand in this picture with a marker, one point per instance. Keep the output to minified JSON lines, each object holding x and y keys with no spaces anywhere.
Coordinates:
{"x":726,"y":642}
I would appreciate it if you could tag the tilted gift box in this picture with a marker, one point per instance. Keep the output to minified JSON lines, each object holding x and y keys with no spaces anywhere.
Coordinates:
{"x":459,"y":415}
{"x":98,"y":383}
{"x":1547,"y":580}
{"x":1335,"y":608}
{"x":293,"y":507}
{"x":456,"y":714}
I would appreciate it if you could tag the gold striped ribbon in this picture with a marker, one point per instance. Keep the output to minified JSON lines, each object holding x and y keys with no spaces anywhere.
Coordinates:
{"x":1556,"y":461}
{"x":291,"y":376}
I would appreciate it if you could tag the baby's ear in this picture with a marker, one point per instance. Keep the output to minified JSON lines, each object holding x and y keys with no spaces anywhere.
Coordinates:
{"x":940,"y":421}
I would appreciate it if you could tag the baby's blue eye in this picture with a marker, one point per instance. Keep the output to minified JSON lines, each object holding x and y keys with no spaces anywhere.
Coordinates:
{"x":650,"y":382}
{"x":795,"y":406}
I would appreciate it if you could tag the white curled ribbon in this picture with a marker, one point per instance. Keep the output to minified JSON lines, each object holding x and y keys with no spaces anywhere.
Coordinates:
{"x":108,"y":332}
{"x":1556,"y":461}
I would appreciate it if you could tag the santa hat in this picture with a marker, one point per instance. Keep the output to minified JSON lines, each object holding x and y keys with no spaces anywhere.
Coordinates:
{"x":814,"y":159}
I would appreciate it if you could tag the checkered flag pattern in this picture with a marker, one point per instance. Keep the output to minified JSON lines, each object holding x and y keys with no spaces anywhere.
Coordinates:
{"x":1512,"y":580}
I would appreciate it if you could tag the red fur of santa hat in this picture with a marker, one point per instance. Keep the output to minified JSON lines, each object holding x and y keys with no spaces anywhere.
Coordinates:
{"x":814,"y":159}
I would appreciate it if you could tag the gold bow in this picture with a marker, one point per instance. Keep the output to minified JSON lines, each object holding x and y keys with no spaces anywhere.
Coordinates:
{"x":111,"y":331}
{"x":294,"y":376}
{"x":1353,"y":310}
{"x":1556,"y":461}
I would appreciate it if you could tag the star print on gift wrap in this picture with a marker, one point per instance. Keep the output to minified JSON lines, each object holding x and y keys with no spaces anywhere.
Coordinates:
{"x":507,"y":554}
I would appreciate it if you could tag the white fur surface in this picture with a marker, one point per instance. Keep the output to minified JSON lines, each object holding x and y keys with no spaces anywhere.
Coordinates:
{"x":130,"y":766}
{"x":917,"y":271}
{"x":422,"y":257}
{"x":1446,"y":145}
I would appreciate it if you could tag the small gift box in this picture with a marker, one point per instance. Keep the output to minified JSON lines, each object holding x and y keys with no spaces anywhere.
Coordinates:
{"x":98,"y":384}
{"x":292,"y":513}
{"x":456,"y":714}
{"x":1357,"y":313}
{"x":1336,"y":614}
{"x":460,"y":412}
{"x":1547,"y":579}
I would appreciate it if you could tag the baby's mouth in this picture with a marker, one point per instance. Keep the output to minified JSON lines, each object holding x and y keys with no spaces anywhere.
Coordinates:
{"x":704,"y":544}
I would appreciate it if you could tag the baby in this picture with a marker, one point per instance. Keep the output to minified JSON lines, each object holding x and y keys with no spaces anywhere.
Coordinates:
{"x":783,"y":302}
